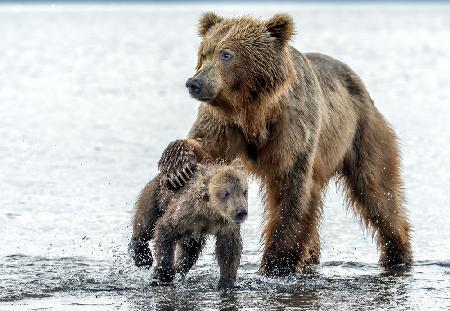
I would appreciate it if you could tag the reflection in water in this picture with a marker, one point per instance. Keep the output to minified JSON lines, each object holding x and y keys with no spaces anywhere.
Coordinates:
{"x":229,"y":301}
{"x":361,"y":286}
{"x":384,"y":290}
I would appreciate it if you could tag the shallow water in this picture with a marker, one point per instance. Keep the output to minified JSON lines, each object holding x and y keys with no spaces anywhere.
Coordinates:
{"x":90,"y":96}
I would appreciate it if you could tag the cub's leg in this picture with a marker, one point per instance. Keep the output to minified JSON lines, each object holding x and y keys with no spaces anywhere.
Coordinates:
{"x":165,"y":242}
{"x":374,"y":186}
{"x":292,"y":217}
{"x":188,"y":252}
{"x":148,"y":211}
{"x":228,"y":254}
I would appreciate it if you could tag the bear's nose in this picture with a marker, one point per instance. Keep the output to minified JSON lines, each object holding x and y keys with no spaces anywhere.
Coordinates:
{"x":194,"y":86}
{"x":241,"y":213}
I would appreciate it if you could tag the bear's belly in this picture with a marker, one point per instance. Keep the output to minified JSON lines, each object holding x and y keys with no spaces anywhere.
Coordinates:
{"x":201,"y":228}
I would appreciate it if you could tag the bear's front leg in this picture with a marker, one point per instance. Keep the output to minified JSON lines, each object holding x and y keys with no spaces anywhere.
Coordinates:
{"x":177,"y":164}
{"x":165,"y":242}
{"x":292,"y":216}
{"x":228,"y":253}
{"x":188,"y":252}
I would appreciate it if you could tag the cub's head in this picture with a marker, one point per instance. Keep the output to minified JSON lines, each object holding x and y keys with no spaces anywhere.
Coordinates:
{"x":241,"y":59}
{"x":227,"y":194}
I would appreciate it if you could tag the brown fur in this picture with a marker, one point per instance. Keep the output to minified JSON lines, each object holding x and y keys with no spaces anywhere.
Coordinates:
{"x":297,"y":120}
{"x":180,"y":220}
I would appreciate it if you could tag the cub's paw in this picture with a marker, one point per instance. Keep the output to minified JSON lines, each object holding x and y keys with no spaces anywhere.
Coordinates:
{"x":141,"y":253}
{"x":177,"y":164}
{"x":162,"y":277}
{"x":227,"y":285}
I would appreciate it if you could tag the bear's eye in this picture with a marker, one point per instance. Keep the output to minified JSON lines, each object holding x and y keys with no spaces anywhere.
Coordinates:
{"x":245,"y":193}
{"x":225,"y":56}
{"x":225,"y":194}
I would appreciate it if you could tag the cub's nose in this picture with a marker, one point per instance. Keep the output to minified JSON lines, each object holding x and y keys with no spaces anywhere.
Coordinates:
{"x":241,"y":213}
{"x":194,"y":86}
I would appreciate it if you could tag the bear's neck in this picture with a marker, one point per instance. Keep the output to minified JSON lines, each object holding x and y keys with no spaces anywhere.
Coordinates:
{"x":256,"y":116}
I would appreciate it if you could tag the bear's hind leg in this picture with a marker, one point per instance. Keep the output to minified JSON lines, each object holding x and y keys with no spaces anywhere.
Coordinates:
{"x":374,"y":187}
{"x":146,"y":215}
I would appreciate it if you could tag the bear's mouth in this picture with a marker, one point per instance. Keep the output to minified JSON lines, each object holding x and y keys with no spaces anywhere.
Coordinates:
{"x":207,"y":99}
{"x":221,"y":102}
{"x":205,"y":95}
{"x":240,"y":220}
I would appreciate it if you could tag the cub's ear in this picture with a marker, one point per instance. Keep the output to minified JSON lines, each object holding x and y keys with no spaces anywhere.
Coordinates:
{"x":237,"y":163}
{"x":207,"y":20}
{"x":281,"y":27}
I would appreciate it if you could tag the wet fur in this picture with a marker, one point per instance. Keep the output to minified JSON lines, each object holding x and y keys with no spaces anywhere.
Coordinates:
{"x":180,"y":220}
{"x":297,"y":120}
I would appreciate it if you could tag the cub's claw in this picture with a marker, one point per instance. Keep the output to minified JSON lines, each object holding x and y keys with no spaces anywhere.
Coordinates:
{"x":177,"y":164}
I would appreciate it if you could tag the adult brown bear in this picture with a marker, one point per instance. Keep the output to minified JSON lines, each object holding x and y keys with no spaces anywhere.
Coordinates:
{"x":296,"y":120}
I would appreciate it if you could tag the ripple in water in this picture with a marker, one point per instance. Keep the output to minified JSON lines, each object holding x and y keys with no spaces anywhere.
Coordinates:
{"x":349,"y":284}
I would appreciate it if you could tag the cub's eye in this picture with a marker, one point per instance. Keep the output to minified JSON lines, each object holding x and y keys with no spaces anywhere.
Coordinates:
{"x":245,"y":193}
{"x":225,"y":194}
{"x":225,"y":56}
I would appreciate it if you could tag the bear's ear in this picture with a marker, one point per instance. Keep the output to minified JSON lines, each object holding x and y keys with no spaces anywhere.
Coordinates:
{"x":281,"y":27}
{"x":207,"y":20}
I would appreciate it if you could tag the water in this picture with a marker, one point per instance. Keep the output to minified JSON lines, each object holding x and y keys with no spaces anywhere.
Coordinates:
{"x":90,"y":96}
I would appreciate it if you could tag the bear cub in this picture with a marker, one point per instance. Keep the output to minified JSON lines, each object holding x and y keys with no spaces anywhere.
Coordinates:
{"x":213,"y":202}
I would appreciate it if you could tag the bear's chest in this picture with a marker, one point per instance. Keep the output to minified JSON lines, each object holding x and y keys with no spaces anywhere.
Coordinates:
{"x":260,"y":158}
{"x":253,"y":147}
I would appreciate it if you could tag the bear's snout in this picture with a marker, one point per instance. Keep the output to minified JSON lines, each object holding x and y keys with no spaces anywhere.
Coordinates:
{"x":203,"y":85}
{"x":194,"y":86}
{"x":241,"y":214}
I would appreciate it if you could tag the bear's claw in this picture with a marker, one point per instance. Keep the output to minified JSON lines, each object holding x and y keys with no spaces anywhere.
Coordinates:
{"x":177,"y":164}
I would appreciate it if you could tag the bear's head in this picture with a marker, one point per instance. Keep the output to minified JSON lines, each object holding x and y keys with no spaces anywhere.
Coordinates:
{"x":227,"y":194}
{"x":241,"y":60}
